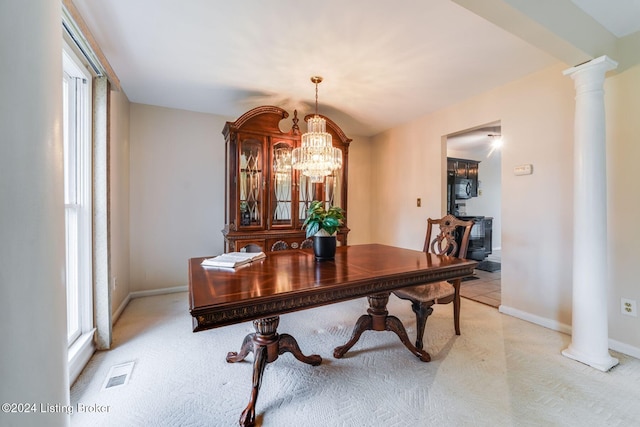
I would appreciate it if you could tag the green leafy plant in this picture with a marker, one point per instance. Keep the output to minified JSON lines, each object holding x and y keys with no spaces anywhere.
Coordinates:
{"x":319,"y":218}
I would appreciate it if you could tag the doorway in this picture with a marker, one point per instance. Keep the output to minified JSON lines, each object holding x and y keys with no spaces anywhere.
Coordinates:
{"x":483,"y":145}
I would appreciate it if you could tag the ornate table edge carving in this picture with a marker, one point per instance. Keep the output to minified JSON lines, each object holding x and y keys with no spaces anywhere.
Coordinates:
{"x":222,"y":316}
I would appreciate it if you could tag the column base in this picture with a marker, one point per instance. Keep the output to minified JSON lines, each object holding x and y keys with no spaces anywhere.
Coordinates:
{"x":600,"y":363}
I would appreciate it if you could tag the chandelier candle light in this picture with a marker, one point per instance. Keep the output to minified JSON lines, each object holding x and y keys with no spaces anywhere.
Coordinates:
{"x":316,"y":157}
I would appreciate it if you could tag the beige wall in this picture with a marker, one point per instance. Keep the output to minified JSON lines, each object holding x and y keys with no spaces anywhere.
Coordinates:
{"x":359,"y":212}
{"x":408,"y":164}
{"x":536,"y":114}
{"x":176,"y":193}
{"x":623,"y":158}
{"x":119,"y":197}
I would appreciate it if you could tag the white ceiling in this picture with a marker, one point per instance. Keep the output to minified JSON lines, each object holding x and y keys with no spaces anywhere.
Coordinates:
{"x":474,"y":140}
{"x":383,"y":63}
{"x":620,"y":17}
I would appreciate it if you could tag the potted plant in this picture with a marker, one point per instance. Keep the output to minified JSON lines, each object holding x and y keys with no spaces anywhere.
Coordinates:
{"x":322,"y":224}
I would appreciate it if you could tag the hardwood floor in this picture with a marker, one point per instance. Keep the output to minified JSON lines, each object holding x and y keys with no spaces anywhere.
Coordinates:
{"x":485,"y":289}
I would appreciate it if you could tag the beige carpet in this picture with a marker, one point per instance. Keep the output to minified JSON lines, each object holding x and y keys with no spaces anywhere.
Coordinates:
{"x":500,"y":372}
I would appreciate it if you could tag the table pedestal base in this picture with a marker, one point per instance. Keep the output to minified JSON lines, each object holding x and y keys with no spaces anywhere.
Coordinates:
{"x":266,"y":346}
{"x":378,"y":319}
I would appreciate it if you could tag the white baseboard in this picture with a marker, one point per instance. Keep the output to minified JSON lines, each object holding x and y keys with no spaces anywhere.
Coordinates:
{"x":542,"y":321}
{"x":162,"y":291}
{"x":566,"y":329}
{"x":118,"y":312}
{"x":148,"y":293}
{"x":627,"y":349}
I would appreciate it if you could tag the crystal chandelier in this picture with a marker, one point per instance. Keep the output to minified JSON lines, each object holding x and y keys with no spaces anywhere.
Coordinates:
{"x":316,"y":157}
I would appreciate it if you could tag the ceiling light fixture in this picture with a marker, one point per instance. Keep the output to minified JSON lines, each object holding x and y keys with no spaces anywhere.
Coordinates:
{"x":496,"y":143}
{"x":316,"y":157}
{"x":496,"y":140}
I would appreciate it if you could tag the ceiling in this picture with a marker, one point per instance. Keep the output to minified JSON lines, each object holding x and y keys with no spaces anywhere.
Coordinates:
{"x":475,"y":140}
{"x":620,"y":17}
{"x":384,"y":63}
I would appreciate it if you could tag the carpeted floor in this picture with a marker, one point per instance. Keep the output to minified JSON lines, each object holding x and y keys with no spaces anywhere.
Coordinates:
{"x":500,"y":372}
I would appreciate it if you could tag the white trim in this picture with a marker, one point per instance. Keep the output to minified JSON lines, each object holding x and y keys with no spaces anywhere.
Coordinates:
{"x":627,"y":349}
{"x":77,"y":33}
{"x":618,"y":346}
{"x":532,"y":318}
{"x":161,"y":291}
{"x":120,"y":309}
{"x":79,"y":354}
{"x":80,"y":133}
{"x":141,"y":294}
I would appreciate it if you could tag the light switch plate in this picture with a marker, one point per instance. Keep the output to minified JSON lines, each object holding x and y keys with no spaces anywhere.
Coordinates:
{"x":526,"y":169}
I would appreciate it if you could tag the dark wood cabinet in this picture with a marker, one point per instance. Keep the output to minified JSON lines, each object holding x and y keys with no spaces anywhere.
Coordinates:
{"x":266,"y":200}
{"x":465,"y":169}
{"x":481,"y":240}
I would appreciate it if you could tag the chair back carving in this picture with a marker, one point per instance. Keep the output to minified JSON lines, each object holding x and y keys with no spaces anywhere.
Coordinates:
{"x":445,"y":243}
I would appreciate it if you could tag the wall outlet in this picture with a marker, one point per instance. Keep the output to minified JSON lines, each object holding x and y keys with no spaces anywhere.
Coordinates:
{"x":114,"y":283}
{"x":628,"y":307}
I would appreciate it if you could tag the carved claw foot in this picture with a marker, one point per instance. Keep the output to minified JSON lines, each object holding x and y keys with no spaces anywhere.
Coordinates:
{"x":289,"y":344}
{"x":247,"y":347}
{"x":364,"y":323}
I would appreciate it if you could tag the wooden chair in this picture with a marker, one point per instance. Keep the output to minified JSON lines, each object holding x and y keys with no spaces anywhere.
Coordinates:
{"x":422,"y":297}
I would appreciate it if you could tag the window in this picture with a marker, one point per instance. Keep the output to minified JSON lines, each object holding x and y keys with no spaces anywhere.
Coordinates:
{"x":76,"y":91}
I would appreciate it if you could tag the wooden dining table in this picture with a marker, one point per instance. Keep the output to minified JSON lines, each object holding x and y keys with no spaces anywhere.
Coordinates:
{"x":288,"y":281}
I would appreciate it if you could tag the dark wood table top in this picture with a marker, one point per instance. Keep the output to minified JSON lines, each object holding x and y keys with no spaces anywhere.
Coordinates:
{"x":293,"y":280}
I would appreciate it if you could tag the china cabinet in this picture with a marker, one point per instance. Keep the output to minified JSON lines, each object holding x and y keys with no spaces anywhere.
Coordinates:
{"x":266,"y":200}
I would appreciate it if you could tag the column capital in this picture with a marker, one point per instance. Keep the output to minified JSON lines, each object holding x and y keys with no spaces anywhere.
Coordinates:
{"x":601,"y":65}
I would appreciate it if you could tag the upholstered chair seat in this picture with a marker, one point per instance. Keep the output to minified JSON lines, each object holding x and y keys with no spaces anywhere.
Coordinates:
{"x":435,"y":292}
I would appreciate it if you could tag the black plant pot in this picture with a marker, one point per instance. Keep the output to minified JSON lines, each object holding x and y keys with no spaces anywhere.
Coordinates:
{"x":324,"y":247}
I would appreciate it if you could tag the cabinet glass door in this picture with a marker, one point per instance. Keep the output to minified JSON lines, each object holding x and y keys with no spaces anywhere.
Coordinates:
{"x":250,"y":183}
{"x":333,"y":189}
{"x":307,"y":192}
{"x":329,"y":191}
{"x":462,"y":170}
{"x":282,"y":184}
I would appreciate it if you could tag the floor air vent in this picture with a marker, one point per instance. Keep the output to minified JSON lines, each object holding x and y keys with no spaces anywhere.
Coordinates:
{"x":118,"y":376}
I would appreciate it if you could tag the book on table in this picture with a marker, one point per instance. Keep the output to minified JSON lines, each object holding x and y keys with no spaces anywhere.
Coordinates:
{"x":233,"y":259}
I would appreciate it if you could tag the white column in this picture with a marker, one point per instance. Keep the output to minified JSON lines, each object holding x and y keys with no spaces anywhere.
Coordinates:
{"x":33,"y":336}
{"x":590,"y":335}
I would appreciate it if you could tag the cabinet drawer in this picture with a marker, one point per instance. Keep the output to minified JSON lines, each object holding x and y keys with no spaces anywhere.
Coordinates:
{"x":253,"y":245}
{"x":289,"y":243}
